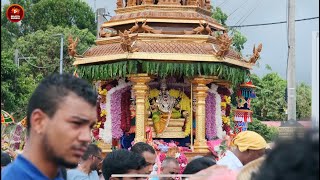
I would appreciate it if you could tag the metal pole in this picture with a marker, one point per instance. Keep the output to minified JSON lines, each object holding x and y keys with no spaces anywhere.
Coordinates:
{"x":291,"y":74}
{"x":315,"y":80}
{"x":100,"y":19}
{"x":16,"y":57}
{"x":61,"y":55}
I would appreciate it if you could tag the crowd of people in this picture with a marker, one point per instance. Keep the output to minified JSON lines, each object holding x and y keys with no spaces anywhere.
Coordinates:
{"x":62,"y":111}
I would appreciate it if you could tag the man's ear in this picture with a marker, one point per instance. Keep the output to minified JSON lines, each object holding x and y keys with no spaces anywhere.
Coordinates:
{"x":38,"y":121}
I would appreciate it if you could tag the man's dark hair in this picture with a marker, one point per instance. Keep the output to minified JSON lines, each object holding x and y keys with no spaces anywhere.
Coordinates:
{"x":53,"y":89}
{"x":120,"y":162}
{"x":141,"y":147}
{"x":5,"y":159}
{"x":296,"y":158}
{"x":198,"y":164}
{"x":93,"y":150}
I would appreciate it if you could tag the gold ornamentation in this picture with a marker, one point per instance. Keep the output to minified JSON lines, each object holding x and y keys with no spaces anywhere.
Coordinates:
{"x":146,"y":28}
{"x":72,"y":46}
{"x":147,"y":2}
{"x":169,"y":2}
{"x":256,"y":54}
{"x":199,"y":29}
{"x":208,"y":29}
{"x":135,"y":27}
{"x":140,"y":91}
{"x":225,"y":43}
{"x":200,"y":91}
{"x":127,"y":42}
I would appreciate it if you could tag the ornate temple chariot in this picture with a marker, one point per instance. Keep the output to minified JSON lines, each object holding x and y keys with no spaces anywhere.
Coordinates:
{"x":164,"y":69}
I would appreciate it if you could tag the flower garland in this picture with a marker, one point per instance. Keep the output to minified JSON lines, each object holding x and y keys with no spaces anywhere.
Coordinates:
{"x":218,"y":114}
{"x":125,"y":111}
{"x":211,"y":131}
{"x":101,"y":110}
{"x":171,"y":150}
{"x":116,"y":113}
{"x":106,"y":134}
{"x":225,"y":108}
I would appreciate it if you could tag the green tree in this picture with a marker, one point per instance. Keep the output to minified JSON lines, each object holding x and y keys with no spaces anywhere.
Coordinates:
{"x":9,"y":31}
{"x":268,"y":133}
{"x":219,"y":15}
{"x":270,"y":102}
{"x":303,"y":101}
{"x":46,"y":48}
{"x":238,"y":40}
{"x":17,"y":85}
{"x":39,"y":14}
{"x":65,"y":13}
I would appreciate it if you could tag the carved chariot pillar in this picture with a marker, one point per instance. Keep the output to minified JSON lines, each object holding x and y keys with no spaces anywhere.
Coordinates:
{"x":140,"y":89}
{"x":200,"y":92}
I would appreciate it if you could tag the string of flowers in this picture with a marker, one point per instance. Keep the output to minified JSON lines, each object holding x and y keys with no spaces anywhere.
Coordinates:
{"x":101,"y":110}
{"x":125,"y":111}
{"x":218,"y":115}
{"x":106,"y":133}
{"x":211,"y":131}
{"x":116,"y":113}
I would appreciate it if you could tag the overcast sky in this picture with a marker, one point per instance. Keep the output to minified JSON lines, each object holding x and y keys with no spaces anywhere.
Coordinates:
{"x":273,"y":37}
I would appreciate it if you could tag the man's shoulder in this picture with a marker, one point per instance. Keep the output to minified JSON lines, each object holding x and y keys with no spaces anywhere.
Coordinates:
{"x":13,"y":171}
{"x":75,"y":174}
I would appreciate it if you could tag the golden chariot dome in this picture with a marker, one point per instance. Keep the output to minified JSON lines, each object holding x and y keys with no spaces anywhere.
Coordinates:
{"x":163,"y":37}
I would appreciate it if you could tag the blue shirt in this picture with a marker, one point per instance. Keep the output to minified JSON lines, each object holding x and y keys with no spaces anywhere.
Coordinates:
{"x":76,"y":174}
{"x":21,"y":168}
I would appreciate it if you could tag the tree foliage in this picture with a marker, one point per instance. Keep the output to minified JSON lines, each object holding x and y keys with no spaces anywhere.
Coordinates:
{"x":270,"y":102}
{"x":304,"y":98}
{"x":17,"y":85}
{"x":238,"y":39}
{"x":40,"y":14}
{"x":268,"y":133}
{"x":65,"y":13}
{"x":219,"y":15}
{"x":45,"y":48}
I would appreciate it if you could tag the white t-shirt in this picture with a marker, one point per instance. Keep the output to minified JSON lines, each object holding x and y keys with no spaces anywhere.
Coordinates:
{"x":231,"y":161}
{"x":76,"y":174}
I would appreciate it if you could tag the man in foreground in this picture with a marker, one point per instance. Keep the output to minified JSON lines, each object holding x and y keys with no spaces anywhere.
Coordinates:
{"x":246,"y":147}
{"x":60,"y":115}
{"x":88,"y":166}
